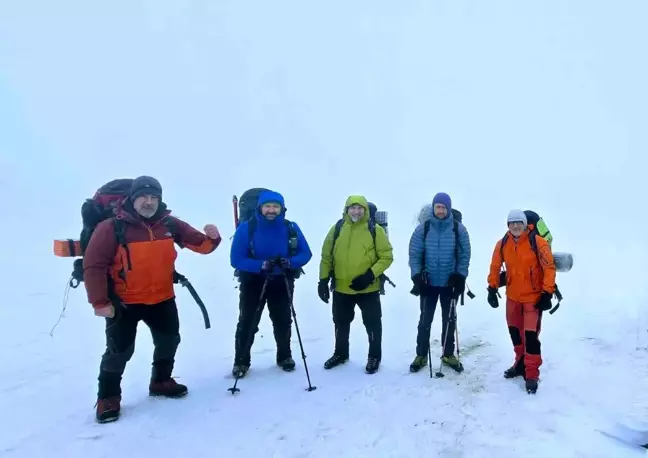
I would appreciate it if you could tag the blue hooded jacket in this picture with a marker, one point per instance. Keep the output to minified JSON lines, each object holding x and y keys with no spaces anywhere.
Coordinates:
{"x":439,"y":250}
{"x":270,"y":240}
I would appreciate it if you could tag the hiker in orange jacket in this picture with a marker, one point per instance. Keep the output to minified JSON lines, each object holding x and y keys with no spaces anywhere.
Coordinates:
{"x":530,"y":284}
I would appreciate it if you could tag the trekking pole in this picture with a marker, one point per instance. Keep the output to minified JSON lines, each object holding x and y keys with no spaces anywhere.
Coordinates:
{"x":425,"y":311}
{"x":248,"y":347}
{"x":301,"y":346}
{"x":453,"y":304}
{"x":457,"y":333}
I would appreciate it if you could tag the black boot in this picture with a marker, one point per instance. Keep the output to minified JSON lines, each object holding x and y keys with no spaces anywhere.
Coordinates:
{"x":287,"y":364}
{"x":335,"y":361}
{"x":372,"y":365}
{"x":515,"y":370}
{"x":531,"y":385}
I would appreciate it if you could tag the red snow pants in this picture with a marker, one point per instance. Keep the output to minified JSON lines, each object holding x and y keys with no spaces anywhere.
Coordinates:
{"x":523,"y":321}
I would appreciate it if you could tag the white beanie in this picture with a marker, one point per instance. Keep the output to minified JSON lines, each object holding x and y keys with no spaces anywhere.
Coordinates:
{"x":516,"y":215}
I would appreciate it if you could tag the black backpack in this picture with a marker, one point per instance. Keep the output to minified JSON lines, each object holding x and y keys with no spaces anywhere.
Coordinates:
{"x":375,"y":217}
{"x":247,"y":207}
{"x":456,"y":219}
{"x":93,"y":211}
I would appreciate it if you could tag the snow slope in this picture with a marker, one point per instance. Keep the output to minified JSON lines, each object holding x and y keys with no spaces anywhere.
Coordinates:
{"x":502,"y":104}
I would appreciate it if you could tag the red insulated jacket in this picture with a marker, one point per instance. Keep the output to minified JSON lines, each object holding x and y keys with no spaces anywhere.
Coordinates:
{"x":141,"y":272}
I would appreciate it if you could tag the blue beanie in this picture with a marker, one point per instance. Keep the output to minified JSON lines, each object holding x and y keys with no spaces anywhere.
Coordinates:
{"x":444,"y":199}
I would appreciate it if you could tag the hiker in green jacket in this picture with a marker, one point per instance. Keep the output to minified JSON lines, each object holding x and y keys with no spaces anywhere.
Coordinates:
{"x":355,"y":253}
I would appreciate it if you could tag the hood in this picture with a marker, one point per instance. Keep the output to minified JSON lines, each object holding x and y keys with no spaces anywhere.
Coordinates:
{"x":360,"y":200}
{"x":271,"y":196}
{"x":427,"y":213}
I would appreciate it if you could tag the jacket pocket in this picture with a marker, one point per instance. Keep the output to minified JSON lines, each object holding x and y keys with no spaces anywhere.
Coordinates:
{"x":534,"y":280}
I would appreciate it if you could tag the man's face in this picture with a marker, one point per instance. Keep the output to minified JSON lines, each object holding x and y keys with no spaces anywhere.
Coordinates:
{"x":146,"y":205}
{"x":356,"y":212}
{"x":516,"y":228}
{"x":270,"y":210}
{"x":440,"y":211}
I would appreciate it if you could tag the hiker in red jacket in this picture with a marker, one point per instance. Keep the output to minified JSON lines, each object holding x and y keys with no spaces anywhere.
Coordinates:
{"x":128,"y":274}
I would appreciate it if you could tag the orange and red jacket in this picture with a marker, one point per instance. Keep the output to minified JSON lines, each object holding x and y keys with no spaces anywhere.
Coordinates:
{"x":526,"y":278}
{"x":148,"y":278}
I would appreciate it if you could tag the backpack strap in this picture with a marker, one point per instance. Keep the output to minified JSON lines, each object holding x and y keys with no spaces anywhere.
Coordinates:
{"x":336,"y":234}
{"x":426,"y":230}
{"x":371,"y":224}
{"x":252,"y":225}
{"x":455,"y":228}
{"x":120,"y":234}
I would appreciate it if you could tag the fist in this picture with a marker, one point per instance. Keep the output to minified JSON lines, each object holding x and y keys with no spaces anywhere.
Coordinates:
{"x":211,"y":231}
{"x":106,"y":312}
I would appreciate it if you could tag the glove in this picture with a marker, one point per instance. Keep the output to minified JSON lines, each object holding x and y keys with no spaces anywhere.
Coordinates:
{"x":323,"y":290}
{"x":284,"y":263}
{"x":544,"y":303}
{"x":268,"y":265}
{"x":492,"y":297}
{"x":458,"y":284}
{"x":417,"y":281}
{"x":363,"y":281}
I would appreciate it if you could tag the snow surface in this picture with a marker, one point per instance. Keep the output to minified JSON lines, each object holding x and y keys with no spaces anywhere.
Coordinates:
{"x":502,"y":104}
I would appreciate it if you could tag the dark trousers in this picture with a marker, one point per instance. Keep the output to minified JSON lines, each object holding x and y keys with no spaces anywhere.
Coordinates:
{"x":252,"y":300}
{"x":121,"y":331}
{"x":343,"y":314}
{"x":429,"y":297}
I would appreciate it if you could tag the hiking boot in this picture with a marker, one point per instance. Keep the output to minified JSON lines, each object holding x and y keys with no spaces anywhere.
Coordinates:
{"x":452,"y":362}
{"x":515,"y":370}
{"x":168,"y":388}
{"x":372,"y":365}
{"x":334,"y":361}
{"x":531,"y":385}
{"x":287,"y":364}
{"x":108,"y":409}
{"x":240,"y":370}
{"x":419,"y":363}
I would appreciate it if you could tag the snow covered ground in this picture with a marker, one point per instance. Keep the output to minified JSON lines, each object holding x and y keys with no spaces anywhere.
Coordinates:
{"x":502,"y":104}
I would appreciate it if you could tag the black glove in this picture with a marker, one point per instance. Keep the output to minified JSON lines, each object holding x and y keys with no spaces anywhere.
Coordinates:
{"x":363,"y":281}
{"x":268,"y":265}
{"x":323,"y":290}
{"x":417,"y":287}
{"x":284,"y":263}
{"x":544,"y":303}
{"x":492,"y":297}
{"x":458,"y":284}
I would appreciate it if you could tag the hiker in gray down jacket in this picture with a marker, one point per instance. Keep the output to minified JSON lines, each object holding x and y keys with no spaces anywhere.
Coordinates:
{"x":439,"y":267}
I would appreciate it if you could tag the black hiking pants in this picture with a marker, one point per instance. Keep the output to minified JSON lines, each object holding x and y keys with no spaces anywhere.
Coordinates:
{"x":121,"y":330}
{"x":343,"y":314}
{"x":430,"y":295}
{"x":252,"y":300}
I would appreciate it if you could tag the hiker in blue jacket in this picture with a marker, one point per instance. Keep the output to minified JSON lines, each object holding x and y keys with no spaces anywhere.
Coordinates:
{"x":439,"y":267}
{"x":268,"y":251}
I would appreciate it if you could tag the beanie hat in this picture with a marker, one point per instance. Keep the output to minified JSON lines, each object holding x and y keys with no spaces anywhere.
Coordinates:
{"x":516,"y":215}
{"x":145,"y":185}
{"x":444,"y":199}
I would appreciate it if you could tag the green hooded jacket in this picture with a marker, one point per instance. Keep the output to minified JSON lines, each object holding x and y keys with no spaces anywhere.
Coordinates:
{"x":355,"y":252}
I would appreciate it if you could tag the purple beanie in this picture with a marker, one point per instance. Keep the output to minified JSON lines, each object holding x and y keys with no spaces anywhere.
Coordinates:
{"x":444,"y":199}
